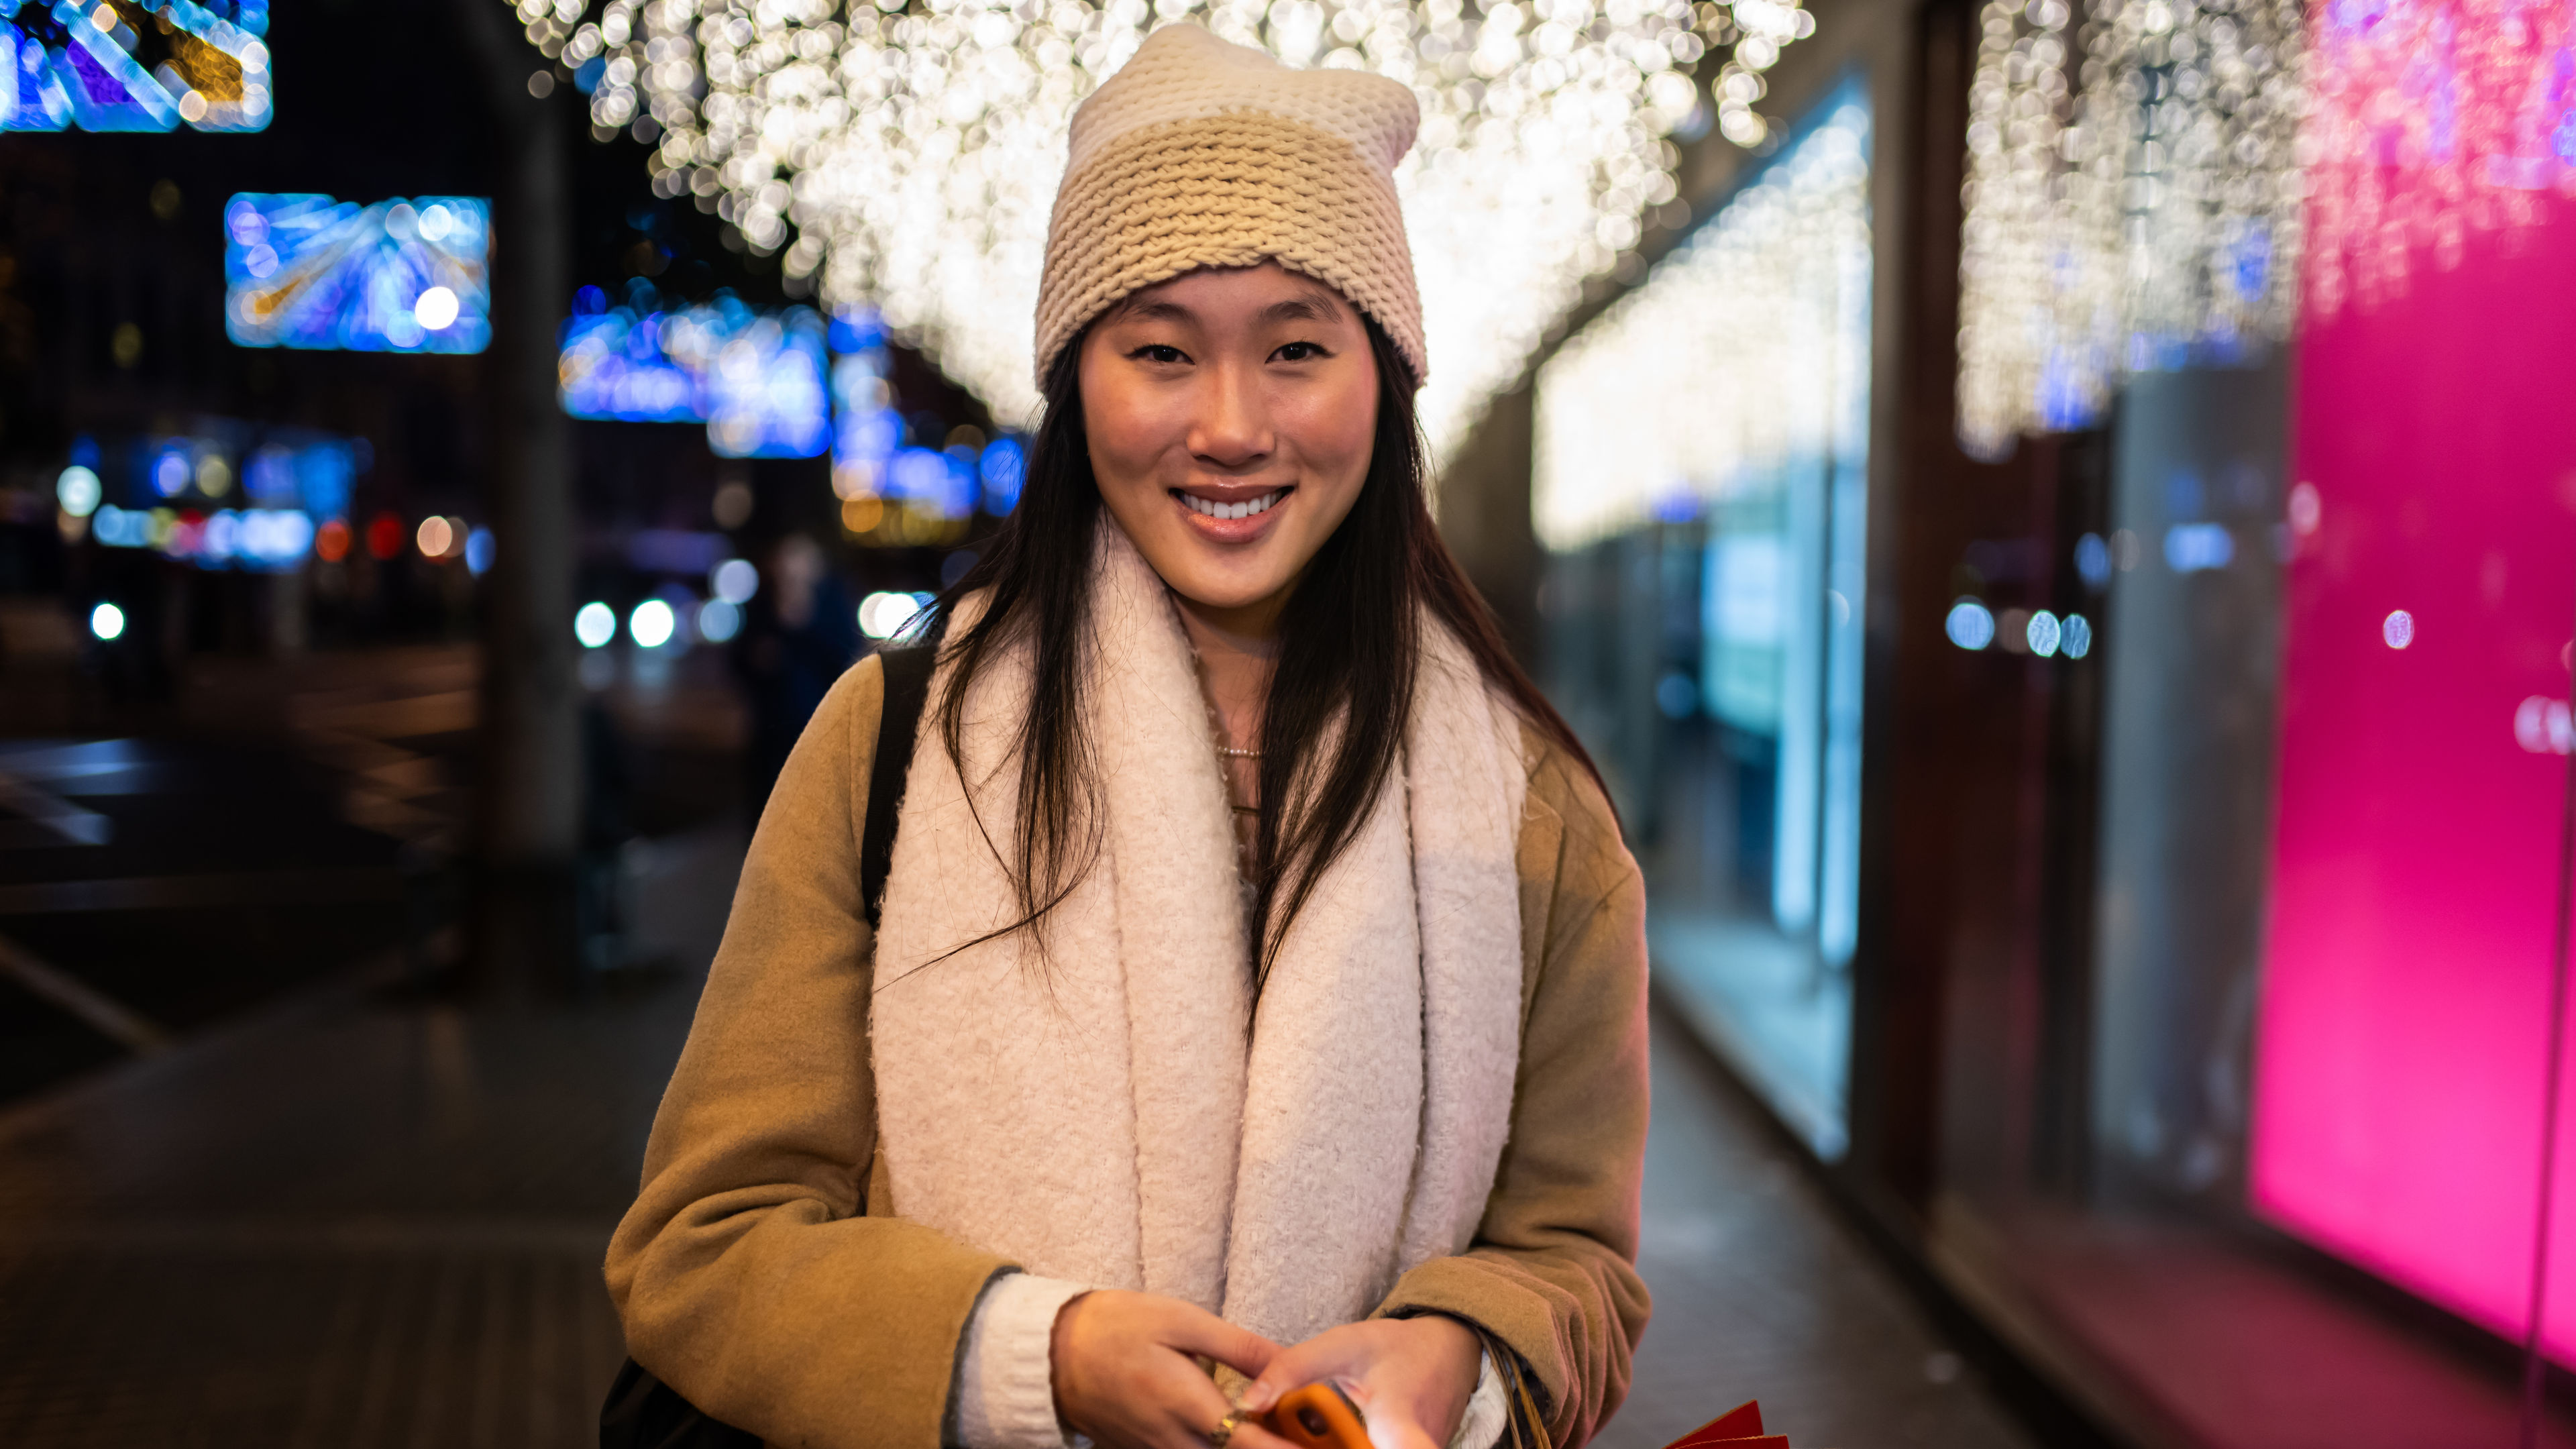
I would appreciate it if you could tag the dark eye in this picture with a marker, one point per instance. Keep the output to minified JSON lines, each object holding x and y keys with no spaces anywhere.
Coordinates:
{"x":1157,"y":352}
{"x":1299,"y":352}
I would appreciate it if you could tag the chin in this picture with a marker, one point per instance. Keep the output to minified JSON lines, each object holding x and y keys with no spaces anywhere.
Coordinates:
{"x":1223,"y":590}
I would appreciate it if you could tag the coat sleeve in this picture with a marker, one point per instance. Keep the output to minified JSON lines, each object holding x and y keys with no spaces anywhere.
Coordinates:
{"x":748,"y":1274}
{"x":1552,"y":1270}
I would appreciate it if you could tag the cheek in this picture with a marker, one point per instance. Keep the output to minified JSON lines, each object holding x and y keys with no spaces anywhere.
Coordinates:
{"x":1126,"y":437}
{"x":1337,"y":432}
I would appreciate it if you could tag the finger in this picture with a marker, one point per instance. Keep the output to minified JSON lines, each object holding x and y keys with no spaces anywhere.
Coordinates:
{"x":1397,"y":1431}
{"x":1329,"y":1355}
{"x":1195,"y":1330}
{"x":1189,"y":1403}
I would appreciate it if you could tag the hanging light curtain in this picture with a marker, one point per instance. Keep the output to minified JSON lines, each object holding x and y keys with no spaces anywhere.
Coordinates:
{"x":2133,"y":202}
{"x":908,"y":156}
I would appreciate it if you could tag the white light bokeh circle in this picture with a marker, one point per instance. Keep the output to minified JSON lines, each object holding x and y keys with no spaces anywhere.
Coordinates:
{"x":652,"y":624}
{"x":78,"y":491}
{"x":884,"y":615}
{"x":594,"y":625}
{"x":436,"y":308}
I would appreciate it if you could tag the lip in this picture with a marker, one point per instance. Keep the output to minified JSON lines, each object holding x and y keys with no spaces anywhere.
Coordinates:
{"x":1232,"y":530}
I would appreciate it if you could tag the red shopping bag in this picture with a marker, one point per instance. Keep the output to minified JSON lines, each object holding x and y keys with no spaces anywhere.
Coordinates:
{"x":1737,"y":1428}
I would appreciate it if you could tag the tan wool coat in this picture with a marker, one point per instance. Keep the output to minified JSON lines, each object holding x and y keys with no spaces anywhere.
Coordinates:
{"x":762,"y":1273}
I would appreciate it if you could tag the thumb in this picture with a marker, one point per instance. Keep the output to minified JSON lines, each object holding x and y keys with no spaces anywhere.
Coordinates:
{"x":1292,"y":1368}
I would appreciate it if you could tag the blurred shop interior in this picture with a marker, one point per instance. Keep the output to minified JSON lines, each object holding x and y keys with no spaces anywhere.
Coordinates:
{"x":2057,"y":522}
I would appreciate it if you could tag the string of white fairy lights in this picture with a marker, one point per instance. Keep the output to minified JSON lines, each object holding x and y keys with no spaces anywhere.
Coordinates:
{"x":1743,"y":356}
{"x":905,"y":152}
{"x":2133,"y":201}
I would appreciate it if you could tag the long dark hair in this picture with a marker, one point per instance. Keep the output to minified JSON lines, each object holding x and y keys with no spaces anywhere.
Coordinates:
{"x":1347,"y":651}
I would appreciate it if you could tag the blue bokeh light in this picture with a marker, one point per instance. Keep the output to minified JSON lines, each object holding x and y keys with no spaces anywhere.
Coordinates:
{"x":1004,"y":469}
{"x":397,"y":276}
{"x":1971,"y":625}
{"x":754,"y":378}
{"x":59,"y":69}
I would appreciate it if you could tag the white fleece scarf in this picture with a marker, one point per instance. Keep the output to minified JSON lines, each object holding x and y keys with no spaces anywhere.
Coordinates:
{"x":1100,"y":1117}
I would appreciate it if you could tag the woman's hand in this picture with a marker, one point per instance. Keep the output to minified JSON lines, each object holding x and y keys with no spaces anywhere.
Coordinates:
{"x":1412,"y":1377}
{"x":1124,"y":1374}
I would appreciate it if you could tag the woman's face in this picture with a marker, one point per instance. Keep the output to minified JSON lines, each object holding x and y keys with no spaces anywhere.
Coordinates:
{"x":1231,"y":414}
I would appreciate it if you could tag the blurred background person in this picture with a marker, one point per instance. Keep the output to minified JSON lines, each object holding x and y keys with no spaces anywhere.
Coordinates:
{"x":799,"y":633}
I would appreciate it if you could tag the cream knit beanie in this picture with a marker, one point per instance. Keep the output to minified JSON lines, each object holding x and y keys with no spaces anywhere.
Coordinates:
{"x":1203,"y":153}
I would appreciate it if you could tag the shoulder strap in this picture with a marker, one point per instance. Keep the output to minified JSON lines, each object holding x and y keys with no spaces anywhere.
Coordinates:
{"x":907,"y":691}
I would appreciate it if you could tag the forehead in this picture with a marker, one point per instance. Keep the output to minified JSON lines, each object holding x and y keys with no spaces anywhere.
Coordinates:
{"x":1213,"y":293}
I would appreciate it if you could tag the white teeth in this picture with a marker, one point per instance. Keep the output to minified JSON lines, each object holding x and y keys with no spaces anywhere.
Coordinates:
{"x":1245,"y":509}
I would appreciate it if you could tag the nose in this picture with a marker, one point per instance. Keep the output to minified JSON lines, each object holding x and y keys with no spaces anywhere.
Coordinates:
{"x":1232,"y":431}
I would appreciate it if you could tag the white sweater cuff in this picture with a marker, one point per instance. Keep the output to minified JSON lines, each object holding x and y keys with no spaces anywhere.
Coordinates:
{"x":1006,"y":1380}
{"x":1488,"y":1413}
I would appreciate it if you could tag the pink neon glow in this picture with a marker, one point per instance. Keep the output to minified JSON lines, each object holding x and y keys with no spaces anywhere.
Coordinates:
{"x":2400,"y":1049}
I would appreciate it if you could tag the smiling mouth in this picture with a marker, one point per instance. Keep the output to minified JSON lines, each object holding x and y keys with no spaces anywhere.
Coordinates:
{"x":1248,"y":508}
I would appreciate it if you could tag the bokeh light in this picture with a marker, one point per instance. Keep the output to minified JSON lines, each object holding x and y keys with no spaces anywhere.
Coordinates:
{"x":2133,"y":202}
{"x":310,"y":271}
{"x":910,"y":159}
{"x":1744,"y":349}
{"x":734,"y":581}
{"x":435,"y":309}
{"x":719,"y":620}
{"x":754,"y":378}
{"x":2194,"y":547}
{"x":884,"y":615}
{"x":84,"y":66}
{"x":594,"y":625}
{"x":651,"y":624}
{"x":435,"y":537}
{"x":2043,"y":634}
{"x":1971,"y":625}
{"x":107,"y":621}
{"x":2543,"y":726}
{"x":2430,"y":121}
{"x":78,"y":491}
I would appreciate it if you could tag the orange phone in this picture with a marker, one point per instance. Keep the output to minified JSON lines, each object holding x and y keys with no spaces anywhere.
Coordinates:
{"x":1318,"y":1416}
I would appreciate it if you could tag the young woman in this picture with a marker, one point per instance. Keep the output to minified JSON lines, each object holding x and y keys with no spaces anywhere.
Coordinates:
{"x":1258,"y":990}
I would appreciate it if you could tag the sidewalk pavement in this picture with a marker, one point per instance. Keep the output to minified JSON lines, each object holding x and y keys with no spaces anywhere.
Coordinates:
{"x":359,"y":1220}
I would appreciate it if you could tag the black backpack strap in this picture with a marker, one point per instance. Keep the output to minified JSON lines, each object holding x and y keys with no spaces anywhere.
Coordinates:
{"x":907,"y":692}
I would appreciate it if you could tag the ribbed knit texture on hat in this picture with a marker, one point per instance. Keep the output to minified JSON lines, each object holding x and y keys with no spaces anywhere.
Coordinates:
{"x":1203,"y":153}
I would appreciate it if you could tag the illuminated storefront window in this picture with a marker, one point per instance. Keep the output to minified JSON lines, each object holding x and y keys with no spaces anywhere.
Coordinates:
{"x":2402,"y":1056}
{"x":1700,"y":483}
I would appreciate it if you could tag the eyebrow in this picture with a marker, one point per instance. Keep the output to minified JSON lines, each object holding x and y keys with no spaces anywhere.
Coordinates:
{"x":1314,"y":306}
{"x":1152,"y":311}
